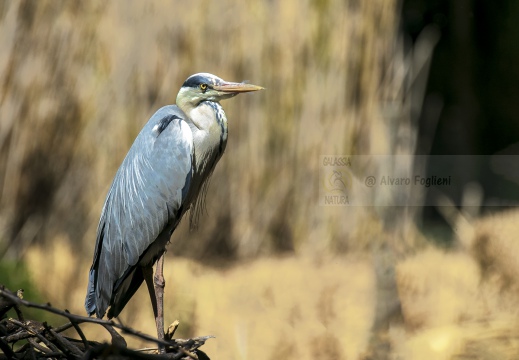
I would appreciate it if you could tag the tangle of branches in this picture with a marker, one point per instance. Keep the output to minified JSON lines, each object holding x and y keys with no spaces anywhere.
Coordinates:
{"x":30,"y":339}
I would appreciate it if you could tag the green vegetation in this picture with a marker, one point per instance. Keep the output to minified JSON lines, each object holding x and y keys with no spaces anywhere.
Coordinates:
{"x":15,"y":276}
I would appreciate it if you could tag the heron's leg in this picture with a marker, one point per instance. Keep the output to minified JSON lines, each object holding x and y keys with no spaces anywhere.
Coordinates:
{"x":148,"y":277}
{"x":159,"y":294}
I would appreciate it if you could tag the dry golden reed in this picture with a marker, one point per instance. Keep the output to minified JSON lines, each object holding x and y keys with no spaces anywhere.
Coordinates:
{"x":79,"y":80}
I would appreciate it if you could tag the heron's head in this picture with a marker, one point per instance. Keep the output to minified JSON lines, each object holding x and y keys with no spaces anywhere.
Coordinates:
{"x":208,"y":87}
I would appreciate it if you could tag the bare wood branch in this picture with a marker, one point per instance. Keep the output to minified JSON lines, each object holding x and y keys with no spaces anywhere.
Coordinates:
{"x":190,"y":354}
{"x":6,"y":305}
{"x":80,"y":333}
{"x":81,"y":319}
{"x":4,"y":346}
{"x":171,"y":330}
{"x":35,"y":345}
{"x":36,"y":333}
{"x":65,"y":344}
{"x":45,"y":341}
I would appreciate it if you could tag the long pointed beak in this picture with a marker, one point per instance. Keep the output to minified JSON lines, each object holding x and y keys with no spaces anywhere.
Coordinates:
{"x":231,"y":87}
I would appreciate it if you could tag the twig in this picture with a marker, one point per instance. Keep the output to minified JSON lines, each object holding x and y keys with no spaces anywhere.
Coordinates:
{"x":18,"y":336}
{"x":116,"y":338}
{"x":80,"y":333}
{"x":6,"y":349}
{"x":6,"y":305}
{"x":47,"y":343}
{"x":35,"y":345}
{"x":146,"y":349}
{"x":31,"y":351}
{"x":191,"y":355}
{"x":65,"y":344}
{"x":171,"y":330}
{"x":64,"y":327}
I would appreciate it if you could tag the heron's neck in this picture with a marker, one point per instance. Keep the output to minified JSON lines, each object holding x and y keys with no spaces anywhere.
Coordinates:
{"x":209,"y":127}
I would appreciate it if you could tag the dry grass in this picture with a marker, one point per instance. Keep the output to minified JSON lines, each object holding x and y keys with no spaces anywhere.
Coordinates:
{"x":314,"y":306}
{"x":436,"y":288}
{"x":492,"y":241}
{"x":290,"y":308}
{"x":461,"y":304}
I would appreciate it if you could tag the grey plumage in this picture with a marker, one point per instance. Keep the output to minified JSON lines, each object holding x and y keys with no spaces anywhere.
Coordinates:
{"x":145,"y":199}
{"x":158,"y":181}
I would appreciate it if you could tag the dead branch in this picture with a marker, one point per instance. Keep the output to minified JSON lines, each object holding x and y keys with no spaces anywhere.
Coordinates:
{"x":45,"y":341}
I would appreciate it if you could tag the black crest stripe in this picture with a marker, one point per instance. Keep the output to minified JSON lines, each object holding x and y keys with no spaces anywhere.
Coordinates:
{"x":194,"y":81}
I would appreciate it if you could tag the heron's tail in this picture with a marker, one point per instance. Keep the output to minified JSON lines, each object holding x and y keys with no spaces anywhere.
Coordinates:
{"x":90,"y":300}
{"x":124,"y":289}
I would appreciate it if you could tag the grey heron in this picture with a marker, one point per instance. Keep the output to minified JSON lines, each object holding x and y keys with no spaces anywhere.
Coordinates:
{"x":160,"y":179}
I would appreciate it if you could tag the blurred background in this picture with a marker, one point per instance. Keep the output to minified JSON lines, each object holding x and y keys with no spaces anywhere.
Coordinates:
{"x":270,"y":272}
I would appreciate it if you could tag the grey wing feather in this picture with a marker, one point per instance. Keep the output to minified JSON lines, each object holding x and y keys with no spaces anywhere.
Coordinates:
{"x":146,"y":195}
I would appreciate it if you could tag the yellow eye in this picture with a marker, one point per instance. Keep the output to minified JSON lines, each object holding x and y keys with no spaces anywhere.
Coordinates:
{"x":203,"y":87}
